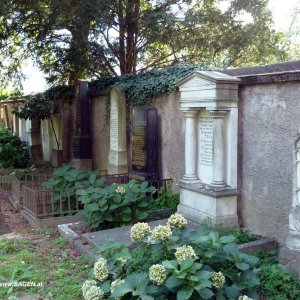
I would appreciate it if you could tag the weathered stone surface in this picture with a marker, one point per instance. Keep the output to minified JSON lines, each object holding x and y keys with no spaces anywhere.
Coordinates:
{"x":268,"y":126}
{"x":290,"y":260}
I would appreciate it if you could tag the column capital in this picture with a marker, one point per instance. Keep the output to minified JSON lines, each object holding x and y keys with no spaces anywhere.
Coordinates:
{"x":218,"y":114}
{"x":190,"y":113}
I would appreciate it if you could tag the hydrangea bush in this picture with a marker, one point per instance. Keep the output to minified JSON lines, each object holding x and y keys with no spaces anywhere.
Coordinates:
{"x":115,"y":205}
{"x":172,"y":262}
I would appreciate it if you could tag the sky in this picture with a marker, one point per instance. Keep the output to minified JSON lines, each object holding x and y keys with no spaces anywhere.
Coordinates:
{"x":280,"y":9}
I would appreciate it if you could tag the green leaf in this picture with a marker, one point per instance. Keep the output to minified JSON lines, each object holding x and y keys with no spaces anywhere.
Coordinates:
{"x":172,"y":282}
{"x":126,"y":210}
{"x":92,"y":207}
{"x":205,"y":293}
{"x":108,"y":217}
{"x":92,"y":178}
{"x":184,"y":293}
{"x":118,"y":198}
{"x":231,"y":292}
{"x":242,"y":266}
{"x":170,"y":264}
{"x":105,"y":287}
{"x":210,"y":253}
{"x":144,"y":185}
{"x":122,"y":289}
{"x":227,"y":239}
{"x":143,"y":204}
{"x":141,"y":215}
{"x":139,"y":282}
{"x":250,"y":259}
{"x":186,"y":264}
{"x":100,"y":181}
{"x":126,"y":218}
{"x":146,"y":297}
{"x":231,"y":249}
{"x":81,"y":192}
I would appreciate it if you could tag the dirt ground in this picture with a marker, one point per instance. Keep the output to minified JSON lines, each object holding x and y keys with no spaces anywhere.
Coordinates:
{"x":17,"y":224}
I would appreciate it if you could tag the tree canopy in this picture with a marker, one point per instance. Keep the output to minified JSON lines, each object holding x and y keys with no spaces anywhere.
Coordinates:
{"x":71,"y":39}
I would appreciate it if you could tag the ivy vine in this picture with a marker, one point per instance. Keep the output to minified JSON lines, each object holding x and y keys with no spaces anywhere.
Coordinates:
{"x":41,"y":105}
{"x":138,"y":87}
{"x":143,"y":86}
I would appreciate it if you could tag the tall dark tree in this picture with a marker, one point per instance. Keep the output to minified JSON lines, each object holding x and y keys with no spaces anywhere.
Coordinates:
{"x":70,"y":39}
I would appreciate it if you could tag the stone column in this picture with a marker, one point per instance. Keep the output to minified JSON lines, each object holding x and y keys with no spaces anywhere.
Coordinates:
{"x":190,"y":146}
{"x":218,"y":149}
{"x":16,"y":125}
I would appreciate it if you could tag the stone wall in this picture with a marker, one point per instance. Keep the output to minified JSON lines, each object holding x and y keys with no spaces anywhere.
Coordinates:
{"x":171,"y":146}
{"x":268,"y":125}
{"x":172,"y":128}
{"x":100,"y":132}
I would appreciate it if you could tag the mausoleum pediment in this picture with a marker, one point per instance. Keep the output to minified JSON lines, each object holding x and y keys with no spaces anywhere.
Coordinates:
{"x":208,"y":89}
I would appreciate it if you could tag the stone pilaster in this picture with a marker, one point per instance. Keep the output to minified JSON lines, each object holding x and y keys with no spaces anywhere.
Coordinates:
{"x":218,"y":149}
{"x":190,"y":146}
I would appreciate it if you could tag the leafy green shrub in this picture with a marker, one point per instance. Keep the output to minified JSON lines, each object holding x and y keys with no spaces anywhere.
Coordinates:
{"x":279,"y":284}
{"x":115,"y":205}
{"x":13,"y":152}
{"x":166,"y":199}
{"x":242,"y":235}
{"x":171,"y":262}
{"x":68,"y":177}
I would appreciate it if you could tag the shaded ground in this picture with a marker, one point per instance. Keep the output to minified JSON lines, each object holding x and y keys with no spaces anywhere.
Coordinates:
{"x":3,"y":226}
{"x":41,"y":256}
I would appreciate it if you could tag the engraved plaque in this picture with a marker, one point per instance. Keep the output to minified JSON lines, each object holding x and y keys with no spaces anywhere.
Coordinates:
{"x":206,"y":144}
{"x":145,"y":141}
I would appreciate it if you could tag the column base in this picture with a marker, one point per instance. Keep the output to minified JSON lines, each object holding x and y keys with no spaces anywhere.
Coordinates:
{"x":117,"y":158}
{"x":199,"y":204}
{"x":190,"y":179}
{"x":293,"y":241}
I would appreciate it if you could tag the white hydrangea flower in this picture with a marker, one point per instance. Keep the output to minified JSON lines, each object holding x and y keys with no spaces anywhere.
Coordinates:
{"x":94,"y":293}
{"x":218,"y":280}
{"x":158,"y":274}
{"x":120,"y":190}
{"x":101,"y":269}
{"x":139,"y":231}
{"x":177,"y":220}
{"x":87,"y":285}
{"x":122,"y":261}
{"x":244,"y":298}
{"x":162,"y":233}
{"x":115,"y":284}
{"x":185,"y":252}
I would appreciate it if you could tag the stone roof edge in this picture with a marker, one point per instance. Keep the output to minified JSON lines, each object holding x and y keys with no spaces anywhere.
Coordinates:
{"x":277,"y":77}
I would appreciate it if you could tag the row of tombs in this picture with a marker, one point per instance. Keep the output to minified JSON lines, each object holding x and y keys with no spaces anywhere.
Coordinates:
{"x":230,"y":163}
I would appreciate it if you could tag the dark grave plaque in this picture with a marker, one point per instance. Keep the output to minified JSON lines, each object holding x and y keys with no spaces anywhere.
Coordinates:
{"x":145,"y":142}
{"x":82,"y":144}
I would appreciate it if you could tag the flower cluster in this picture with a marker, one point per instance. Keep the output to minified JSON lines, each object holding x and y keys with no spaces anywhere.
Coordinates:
{"x":101,"y":269}
{"x":161,"y":233}
{"x":93,"y":293}
{"x":218,"y":280}
{"x":185,"y":252}
{"x":244,"y":298}
{"x":122,"y":261}
{"x":177,"y":220}
{"x":115,"y":284}
{"x":87,"y":285}
{"x":158,"y":274}
{"x":139,"y":231}
{"x":120,"y":190}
